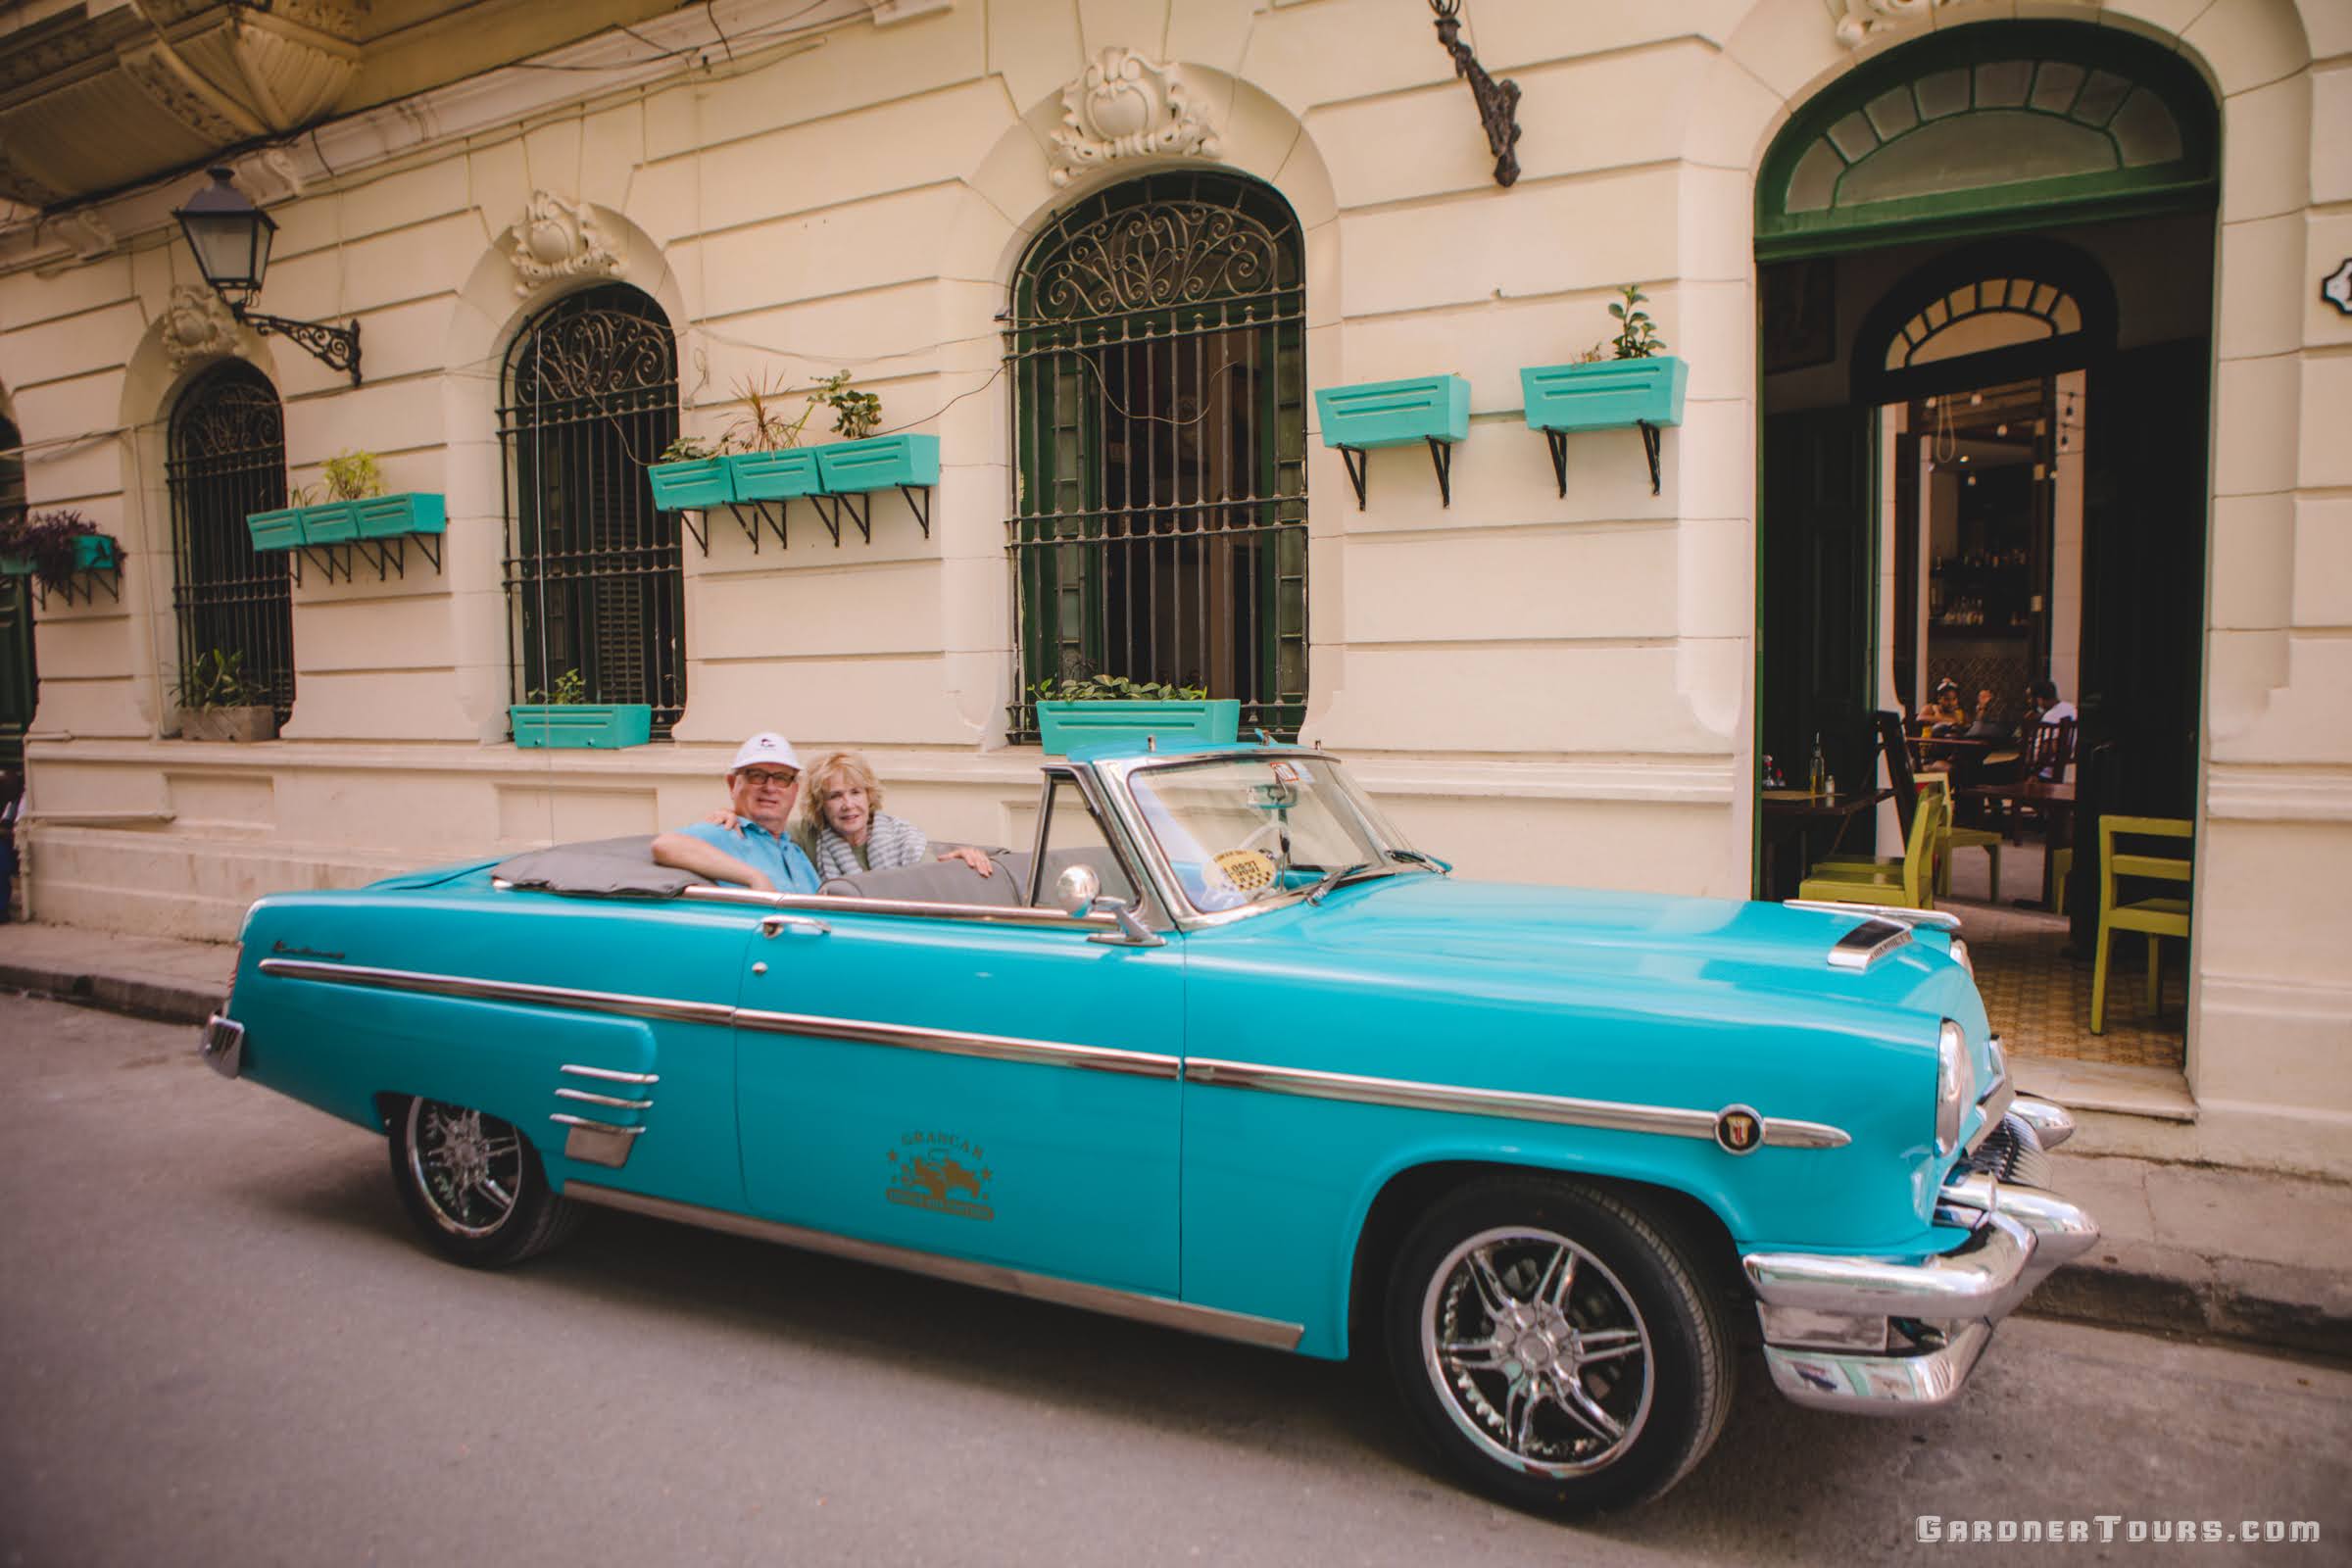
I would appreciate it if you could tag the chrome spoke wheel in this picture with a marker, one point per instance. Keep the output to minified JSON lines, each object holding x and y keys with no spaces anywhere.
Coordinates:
{"x":1537,"y":1351}
{"x":466,"y":1166}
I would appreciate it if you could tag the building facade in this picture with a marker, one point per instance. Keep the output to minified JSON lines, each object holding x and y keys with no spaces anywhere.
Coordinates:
{"x":1105,"y":252}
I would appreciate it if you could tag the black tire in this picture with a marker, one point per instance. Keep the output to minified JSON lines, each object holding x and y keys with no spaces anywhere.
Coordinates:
{"x":1557,"y":1345}
{"x":473,"y":1186}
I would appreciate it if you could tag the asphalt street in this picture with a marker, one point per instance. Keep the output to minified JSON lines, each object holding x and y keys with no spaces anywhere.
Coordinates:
{"x":224,"y":1346}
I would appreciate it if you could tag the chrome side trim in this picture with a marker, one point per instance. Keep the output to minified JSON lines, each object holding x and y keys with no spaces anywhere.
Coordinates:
{"x":1868,"y":943}
{"x":604,"y":1099}
{"x":829,"y":903}
{"x":959,"y":1043}
{"x":614,"y":1129}
{"x":449,"y":985}
{"x":1943,"y":919}
{"x":1673,"y":1122}
{"x":597,"y":1143}
{"x":1143,"y":1308}
{"x":608,"y":1075}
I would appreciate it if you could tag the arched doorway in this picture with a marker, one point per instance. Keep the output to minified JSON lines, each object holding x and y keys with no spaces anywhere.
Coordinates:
{"x":1157,"y":340}
{"x":1985,"y":274}
{"x":18,"y":681}
{"x":229,"y":460}
{"x":595,"y":576}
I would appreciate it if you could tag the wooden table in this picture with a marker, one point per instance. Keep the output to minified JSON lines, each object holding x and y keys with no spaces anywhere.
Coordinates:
{"x":1791,"y":814}
{"x":2055,"y":802}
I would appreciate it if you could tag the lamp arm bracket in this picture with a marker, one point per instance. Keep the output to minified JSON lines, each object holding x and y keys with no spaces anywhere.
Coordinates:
{"x":336,"y":347}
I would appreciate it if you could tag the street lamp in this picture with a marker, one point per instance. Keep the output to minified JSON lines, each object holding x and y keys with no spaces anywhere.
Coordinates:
{"x":232,"y":237}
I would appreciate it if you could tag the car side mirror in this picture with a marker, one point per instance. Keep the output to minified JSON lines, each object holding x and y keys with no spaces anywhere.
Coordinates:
{"x":1076,"y":889}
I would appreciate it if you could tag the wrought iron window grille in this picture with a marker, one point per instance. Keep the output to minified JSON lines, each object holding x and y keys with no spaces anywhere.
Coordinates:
{"x":1497,"y":101}
{"x":1155,"y":350}
{"x":228,"y":460}
{"x":593,"y":573}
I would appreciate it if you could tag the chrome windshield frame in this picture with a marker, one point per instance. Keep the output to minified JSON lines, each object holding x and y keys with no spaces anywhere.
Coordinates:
{"x":1115,"y":774}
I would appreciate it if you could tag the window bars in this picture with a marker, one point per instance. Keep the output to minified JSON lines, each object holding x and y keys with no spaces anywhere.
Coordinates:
{"x":1157,"y":353}
{"x":594,"y":575}
{"x":228,"y":459}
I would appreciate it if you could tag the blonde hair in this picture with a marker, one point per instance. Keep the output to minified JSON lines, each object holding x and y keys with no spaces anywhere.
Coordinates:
{"x":832,"y":771}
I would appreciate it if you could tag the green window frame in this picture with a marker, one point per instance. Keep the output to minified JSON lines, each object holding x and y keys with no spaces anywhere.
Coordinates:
{"x":1993,"y":128}
{"x":1156,"y":346}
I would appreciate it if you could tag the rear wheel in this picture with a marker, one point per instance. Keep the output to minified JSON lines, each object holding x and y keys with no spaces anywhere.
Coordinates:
{"x":473,"y":1184}
{"x":1557,"y":1345}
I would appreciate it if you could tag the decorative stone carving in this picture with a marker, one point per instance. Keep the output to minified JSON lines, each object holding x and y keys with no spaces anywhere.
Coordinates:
{"x":1859,"y":20}
{"x":197,"y":326}
{"x":275,"y":166}
{"x":2337,"y":287}
{"x":186,"y":97}
{"x":87,"y":233}
{"x":1125,"y":106}
{"x":557,"y":238}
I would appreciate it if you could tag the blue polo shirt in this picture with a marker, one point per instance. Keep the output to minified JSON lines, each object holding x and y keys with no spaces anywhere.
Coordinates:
{"x":780,"y":861}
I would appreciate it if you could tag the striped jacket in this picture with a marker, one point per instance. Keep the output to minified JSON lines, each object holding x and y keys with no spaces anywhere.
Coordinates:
{"x":891,"y":843}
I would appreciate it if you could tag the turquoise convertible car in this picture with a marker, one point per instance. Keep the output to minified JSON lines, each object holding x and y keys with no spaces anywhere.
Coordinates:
{"x":1222,"y":1050}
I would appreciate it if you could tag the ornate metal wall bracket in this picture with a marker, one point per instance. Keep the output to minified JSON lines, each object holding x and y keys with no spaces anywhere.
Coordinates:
{"x":336,"y":347}
{"x":1497,"y":101}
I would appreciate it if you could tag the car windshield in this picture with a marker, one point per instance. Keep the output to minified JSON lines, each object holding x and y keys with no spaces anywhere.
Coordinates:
{"x":1247,"y":830}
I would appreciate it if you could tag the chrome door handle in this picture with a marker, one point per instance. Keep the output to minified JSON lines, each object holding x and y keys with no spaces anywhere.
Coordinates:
{"x":774,"y":925}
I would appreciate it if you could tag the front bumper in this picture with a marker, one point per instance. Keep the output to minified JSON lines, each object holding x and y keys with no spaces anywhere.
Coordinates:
{"x":1893,"y":1335}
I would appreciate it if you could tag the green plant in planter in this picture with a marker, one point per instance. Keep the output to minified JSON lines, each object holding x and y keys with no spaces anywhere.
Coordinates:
{"x":763,"y":426}
{"x":52,"y":542}
{"x":569,"y":691}
{"x":1114,"y":689}
{"x":854,"y":413}
{"x":687,"y":449}
{"x":1636,"y":334}
{"x":353,"y":476}
{"x":217,"y":702}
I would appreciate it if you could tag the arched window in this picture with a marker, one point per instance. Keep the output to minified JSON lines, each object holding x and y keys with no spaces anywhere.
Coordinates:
{"x":228,"y":460}
{"x":1996,"y":125}
{"x":2003,"y":309}
{"x":18,"y":681}
{"x":1157,"y":344}
{"x":594,"y":577}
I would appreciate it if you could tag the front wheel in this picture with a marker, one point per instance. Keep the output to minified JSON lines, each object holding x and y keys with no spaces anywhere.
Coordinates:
{"x":473,"y":1186}
{"x":1557,"y":1345}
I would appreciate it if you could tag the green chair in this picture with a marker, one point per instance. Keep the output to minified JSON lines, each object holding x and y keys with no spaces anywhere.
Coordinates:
{"x":2157,"y":917}
{"x":1956,"y":837}
{"x":1908,"y":881}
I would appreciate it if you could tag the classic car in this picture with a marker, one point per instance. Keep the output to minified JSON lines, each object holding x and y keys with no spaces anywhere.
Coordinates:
{"x":1223,"y":1051}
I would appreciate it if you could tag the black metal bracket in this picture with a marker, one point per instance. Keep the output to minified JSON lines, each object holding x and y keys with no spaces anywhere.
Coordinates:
{"x":858,"y":506}
{"x":331,"y":559}
{"x":1557,"y":440}
{"x":336,"y":347}
{"x":390,"y":556}
{"x":83,"y":586}
{"x":762,"y":518}
{"x":696,"y":521}
{"x":1497,"y":101}
{"x":1441,"y":458}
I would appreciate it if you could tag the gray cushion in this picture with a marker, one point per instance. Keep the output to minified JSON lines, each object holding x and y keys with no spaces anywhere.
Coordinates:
{"x":940,"y":882}
{"x":600,"y":868}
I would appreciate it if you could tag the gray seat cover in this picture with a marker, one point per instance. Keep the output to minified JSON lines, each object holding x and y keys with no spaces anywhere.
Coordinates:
{"x":600,"y":868}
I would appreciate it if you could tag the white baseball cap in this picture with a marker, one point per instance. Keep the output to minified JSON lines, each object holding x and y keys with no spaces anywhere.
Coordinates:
{"x":766,"y":746}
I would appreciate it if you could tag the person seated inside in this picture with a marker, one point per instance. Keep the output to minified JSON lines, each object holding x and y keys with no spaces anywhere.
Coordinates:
{"x":839,"y":819}
{"x":1988,"y":724}
{"x":2049,"y":709}
{"x":1944,"y":715}
{"x":754,"y":849}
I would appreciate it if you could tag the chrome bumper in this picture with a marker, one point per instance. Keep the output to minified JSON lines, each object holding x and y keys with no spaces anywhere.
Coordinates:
{"x":222,"y":1044}
{"x":1890,"y":1335}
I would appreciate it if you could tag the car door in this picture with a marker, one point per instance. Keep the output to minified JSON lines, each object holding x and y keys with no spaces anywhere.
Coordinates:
{"x":997,"y":1086}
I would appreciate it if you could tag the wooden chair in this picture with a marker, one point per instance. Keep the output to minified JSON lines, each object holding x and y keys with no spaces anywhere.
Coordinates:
{"x":2157,"y":917}
{"x":1907,"y":881}
{"x":1906,"y":801}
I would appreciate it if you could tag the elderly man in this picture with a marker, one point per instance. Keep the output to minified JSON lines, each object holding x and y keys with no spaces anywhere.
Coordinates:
{"x":757,"y":853}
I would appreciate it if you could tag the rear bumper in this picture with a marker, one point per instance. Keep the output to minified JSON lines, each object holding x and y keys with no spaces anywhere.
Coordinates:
{"x":222,"y":1044}
{"x":1890,"y":1335}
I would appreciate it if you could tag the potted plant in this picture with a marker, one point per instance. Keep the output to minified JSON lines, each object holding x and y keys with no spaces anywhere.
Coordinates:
{"x":766,"y":461}
{"x":1087,"y":709}
{"x":689,"y":474}
{"x":52,"y":546}
{"x":861,"y":459}
{"x":347,"y":478}
{"x":564,"y":717}
{"x":1638,"y":383}
{"x":217,"y":702}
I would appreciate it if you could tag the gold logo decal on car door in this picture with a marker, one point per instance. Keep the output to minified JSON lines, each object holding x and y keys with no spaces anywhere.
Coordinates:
{"x":940,"y":1172}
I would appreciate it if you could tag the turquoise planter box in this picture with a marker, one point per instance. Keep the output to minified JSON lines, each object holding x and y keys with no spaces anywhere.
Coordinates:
{"x":331,"y":523}
{"x":607,"y":725}
{"x":1395,"y":414}
{"x":695,"y":483}
{"x":15,"y":566}
{"x":1065,"y":728}
{"x":772,"y":476}
{"x":878,"y":463}
{"x":92,"y":552}
{"x":276,"y":530}
{"x":1604,"y":395}
{"x":389,"y":516}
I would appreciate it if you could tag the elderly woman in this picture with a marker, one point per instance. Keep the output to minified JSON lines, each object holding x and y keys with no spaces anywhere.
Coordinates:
{"x":840,"y":820}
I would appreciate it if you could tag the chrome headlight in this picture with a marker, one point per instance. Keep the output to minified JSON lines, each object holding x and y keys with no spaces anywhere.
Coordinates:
{"x":1956,"y":1085}
{"x":1960,"y":957}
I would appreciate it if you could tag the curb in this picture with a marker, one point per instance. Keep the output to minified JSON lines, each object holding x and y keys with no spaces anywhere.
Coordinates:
{"x":162,"y":1001}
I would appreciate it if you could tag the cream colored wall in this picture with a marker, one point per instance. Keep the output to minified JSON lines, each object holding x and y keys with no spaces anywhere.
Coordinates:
{"x":1545,"y":688}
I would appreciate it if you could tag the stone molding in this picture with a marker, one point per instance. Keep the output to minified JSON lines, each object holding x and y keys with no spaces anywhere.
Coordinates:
{"x":197,"y":326}
{"x":1860,"y":22}
{"x":556,"y":240}
{"x":1125,"y":106}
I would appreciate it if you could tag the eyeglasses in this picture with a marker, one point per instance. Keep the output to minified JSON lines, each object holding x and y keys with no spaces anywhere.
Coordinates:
{"x":762,"y":776}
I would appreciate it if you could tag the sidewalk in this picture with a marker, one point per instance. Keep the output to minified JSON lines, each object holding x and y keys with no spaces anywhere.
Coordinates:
{"x":2195,"y":1249}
